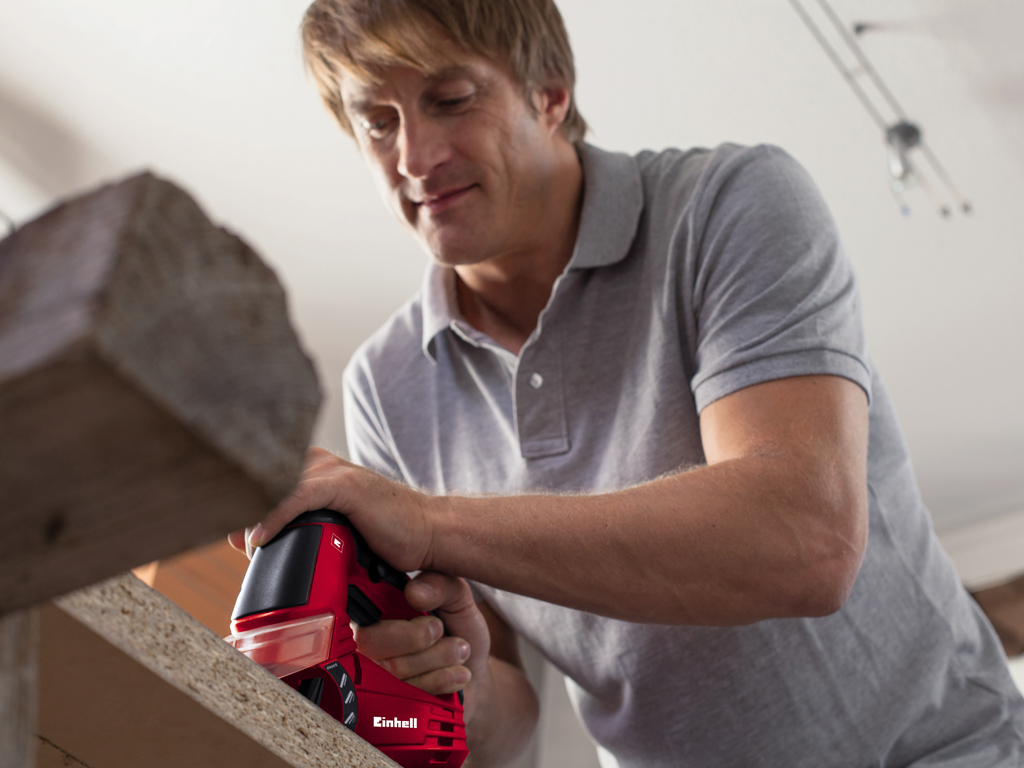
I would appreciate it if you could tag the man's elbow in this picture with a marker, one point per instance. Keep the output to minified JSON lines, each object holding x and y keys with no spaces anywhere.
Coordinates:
{"x":828,"y":597}
{"x":830,"y":582}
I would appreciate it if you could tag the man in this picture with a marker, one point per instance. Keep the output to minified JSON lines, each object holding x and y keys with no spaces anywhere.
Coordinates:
{"x":700,"y":507}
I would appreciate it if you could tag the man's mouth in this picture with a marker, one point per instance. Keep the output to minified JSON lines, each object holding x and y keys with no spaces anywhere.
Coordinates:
{"x":443,"y":199}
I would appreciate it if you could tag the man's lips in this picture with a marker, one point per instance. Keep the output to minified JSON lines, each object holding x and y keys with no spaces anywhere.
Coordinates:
{"x":438,"y":201}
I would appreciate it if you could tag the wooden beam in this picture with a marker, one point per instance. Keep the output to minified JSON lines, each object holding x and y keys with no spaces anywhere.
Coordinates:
{"x":129,"y":679}
{"x":153,"y":394}
{"x":18,"y":671}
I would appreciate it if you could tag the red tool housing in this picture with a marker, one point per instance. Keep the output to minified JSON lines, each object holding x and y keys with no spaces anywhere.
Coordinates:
{"x":292,"y":616}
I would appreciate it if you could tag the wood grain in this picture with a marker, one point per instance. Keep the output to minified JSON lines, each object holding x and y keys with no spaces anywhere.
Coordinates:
{"x":153,"y":394}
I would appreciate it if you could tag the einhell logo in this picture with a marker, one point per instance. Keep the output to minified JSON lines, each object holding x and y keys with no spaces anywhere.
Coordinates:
{"x":337,"y":542}
{"x":381,"y":722}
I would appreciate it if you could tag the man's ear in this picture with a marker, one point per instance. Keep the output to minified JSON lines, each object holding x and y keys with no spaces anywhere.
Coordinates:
{"x":552,"y":103}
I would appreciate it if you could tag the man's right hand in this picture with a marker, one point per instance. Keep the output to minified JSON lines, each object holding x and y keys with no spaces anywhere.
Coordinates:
{"x":418,"y":651}
{"x":500,"y":707}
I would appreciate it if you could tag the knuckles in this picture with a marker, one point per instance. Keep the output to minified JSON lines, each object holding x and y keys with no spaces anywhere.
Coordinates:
{"x":439,"y":661}
{"x":392,"y":639}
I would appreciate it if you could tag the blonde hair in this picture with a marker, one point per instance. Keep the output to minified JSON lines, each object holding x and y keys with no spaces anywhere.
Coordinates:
{"x":360,"y":37}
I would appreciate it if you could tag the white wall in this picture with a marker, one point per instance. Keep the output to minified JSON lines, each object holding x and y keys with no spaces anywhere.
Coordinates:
{"x":212,"y":94}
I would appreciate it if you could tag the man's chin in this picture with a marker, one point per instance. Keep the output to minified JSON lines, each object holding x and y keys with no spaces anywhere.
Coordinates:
{"x":452,"y":255}
{"x":454,"y":260}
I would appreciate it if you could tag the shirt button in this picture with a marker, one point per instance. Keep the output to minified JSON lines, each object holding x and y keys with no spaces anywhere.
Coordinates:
{"x":536,"y":380}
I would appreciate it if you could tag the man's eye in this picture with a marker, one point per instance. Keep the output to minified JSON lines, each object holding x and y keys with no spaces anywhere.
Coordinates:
{"x":378,"y":129}
{"x":452,"y":103}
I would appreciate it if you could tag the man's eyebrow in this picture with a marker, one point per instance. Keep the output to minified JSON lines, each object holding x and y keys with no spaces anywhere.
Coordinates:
{"x":360,"y":106}
{"x":453,"y":72}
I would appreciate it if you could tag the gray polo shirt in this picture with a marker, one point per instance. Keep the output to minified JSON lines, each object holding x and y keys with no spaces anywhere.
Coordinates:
{"x":695,"y":274}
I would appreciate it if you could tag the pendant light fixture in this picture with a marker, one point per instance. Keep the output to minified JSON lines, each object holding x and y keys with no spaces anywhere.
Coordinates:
{"x":904,"y":140}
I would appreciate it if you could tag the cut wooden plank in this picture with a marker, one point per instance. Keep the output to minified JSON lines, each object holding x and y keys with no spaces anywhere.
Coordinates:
{"x":18,"y":673}
{"x":153,"y":394}
{"x":128,"y":679}
{"x":204,"y":582}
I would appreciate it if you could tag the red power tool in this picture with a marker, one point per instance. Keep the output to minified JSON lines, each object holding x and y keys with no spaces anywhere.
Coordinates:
{"x":292,"y":617}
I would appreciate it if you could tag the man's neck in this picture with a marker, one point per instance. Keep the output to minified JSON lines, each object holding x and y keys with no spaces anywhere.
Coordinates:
{"x":504,"y":296}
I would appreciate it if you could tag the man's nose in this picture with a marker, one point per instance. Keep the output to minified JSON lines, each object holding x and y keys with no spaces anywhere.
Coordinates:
{"x":422,"y":146}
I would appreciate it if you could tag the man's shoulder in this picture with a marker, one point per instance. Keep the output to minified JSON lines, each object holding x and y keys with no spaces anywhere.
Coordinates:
{"x":701,"y":166}
{"x":693,"y":186}
{"x":392,"y":347}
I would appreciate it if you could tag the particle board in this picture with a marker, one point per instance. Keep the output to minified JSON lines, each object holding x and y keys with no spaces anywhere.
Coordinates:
{"x":127,"y":678}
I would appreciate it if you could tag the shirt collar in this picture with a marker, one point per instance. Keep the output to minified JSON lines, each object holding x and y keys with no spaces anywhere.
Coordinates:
{"x":613,"y":199}
{"x":440,"y":304}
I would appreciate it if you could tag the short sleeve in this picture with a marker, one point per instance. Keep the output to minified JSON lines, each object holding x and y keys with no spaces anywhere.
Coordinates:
{"x":369,"y":442}
{"x":769,"y":289}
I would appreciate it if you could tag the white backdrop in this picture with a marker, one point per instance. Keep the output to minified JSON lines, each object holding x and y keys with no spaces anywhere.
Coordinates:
{"x":211,"y":93}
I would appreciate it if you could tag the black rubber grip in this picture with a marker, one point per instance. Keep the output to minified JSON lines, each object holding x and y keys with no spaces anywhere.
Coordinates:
{"x":281,"y":572}
{"x":360,"y":608}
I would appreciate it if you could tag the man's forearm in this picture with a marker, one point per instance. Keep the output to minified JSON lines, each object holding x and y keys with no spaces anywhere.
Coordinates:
{"x":733,"y":543}
{"x":502,"y":725}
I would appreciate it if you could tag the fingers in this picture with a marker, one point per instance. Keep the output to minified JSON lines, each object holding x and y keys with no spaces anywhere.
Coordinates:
{"x":319,"y":488}
{"x":416,"y":652}
{"x":432,"y":591}
{"x":237,"y":540}
{"x":452,"y":600}
{"x":391,"y":517}
{"x":240,"y":541}
{"x":445,"y":653}
{"x":440,"y":681}
{"x":388,"y":639}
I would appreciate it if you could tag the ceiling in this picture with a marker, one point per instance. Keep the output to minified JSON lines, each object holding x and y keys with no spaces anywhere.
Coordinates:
{"x":211,"y":93}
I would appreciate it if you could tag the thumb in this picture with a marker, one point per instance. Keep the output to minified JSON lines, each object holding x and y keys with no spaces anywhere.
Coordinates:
{"x":451,"y":600}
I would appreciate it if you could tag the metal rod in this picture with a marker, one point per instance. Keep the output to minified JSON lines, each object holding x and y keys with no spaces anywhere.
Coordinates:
{"x":964,"y":203}
{"x":848,"y":76}
{"x":936,"y":199}
{"x":862,"y":59}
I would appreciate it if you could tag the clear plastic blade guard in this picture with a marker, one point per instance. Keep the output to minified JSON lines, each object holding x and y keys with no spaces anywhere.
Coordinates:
{"x":287,"y":647}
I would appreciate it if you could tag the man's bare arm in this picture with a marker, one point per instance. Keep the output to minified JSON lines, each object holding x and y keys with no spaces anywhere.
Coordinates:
{"x":502,"y":725}
{"x":774,"y":526}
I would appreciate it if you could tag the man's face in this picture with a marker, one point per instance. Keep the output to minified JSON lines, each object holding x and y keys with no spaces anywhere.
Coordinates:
{"x":461,"y":159}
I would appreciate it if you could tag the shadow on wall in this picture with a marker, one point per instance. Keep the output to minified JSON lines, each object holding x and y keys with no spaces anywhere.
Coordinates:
{"x":41,"y":149}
